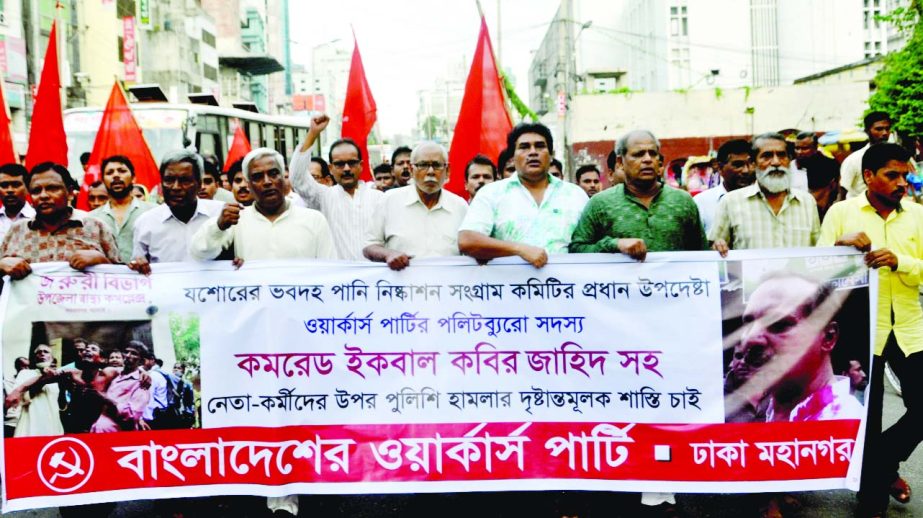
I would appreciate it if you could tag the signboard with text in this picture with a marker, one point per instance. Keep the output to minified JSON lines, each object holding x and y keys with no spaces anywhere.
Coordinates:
{"x":595,"y":372}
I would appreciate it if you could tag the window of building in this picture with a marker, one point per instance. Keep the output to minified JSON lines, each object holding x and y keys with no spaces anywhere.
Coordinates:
{"x":125,"y":8}
{"x":679,"y":21}
{"x":208,"y":38}
{"x":210,"y":73}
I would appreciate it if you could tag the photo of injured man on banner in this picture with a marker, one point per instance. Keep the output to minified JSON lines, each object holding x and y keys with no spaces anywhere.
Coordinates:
{"x":795,"y":339}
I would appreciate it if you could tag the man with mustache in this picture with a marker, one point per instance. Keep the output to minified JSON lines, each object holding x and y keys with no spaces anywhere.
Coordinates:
{"x":479,"y":172}
{"x":348,"y":205}
{"x":164,"y":233}
{"x":419,"y":220}
{"x":888,"y":226}
{"x":878,"y":127}
{"x":13,"y":193}
{"x":530,"y":214}
{"x":54,"y":234}
{"x":240,"y":189}
{"x":769,"y":213}
{"x":122,"y":210}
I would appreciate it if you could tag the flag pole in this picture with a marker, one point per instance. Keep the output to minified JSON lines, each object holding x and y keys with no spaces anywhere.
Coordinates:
{"x":507,"y":103}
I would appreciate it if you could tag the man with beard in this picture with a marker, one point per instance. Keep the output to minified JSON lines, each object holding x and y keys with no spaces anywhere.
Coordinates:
{"x":530,"y":214}
{"x":348,"y":205}
{"x":769,"y":213}
{"x":122,"y":210}
{"x":419,"y":220}
{"x":13,"y":193}
{"x":164,"y":233}
{"x":878,"y":128}
{"x":400,"y":166}
{"x":736,"y":170}
{"x":885,"y":218}
{"x":54,"y":234}
{"x":479,"y":172}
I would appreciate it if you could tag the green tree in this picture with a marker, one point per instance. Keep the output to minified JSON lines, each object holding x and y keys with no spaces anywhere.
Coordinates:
{"x":899,"y":84}
{"x":185,"y":331}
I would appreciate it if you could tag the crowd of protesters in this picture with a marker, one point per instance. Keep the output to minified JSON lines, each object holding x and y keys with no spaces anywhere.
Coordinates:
{"x":766,"y":192}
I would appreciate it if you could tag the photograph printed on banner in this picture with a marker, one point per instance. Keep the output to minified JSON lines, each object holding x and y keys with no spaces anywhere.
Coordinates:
{"x":796,"y":339}
{"x":102,"y":376}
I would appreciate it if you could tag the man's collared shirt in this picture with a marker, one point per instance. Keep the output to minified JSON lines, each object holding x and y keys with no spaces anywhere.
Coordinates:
{"x":28,"y":240}
{"x":349,"y":216}
{"x":902,"y":233}
{"x":403,"y":223}
{"x":670,"y":223}
{"x":158,"y":393}
{"x":851,"y":173}
{"x":123,"y":233}
{"x":745,"y":220}
{"x":160,"y":237}
{"x":6,"y":222}
{"x":832,"y":401}
{"x":707,"y":202}
{"x":297,"y":233}
{"x":507,"y":211}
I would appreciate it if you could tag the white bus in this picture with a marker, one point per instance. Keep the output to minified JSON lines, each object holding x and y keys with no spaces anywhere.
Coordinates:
{"x":169,"y":126}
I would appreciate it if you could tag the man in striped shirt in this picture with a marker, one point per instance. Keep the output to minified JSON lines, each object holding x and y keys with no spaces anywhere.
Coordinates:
{"x":348,"y":205}
{"x":769,"y":213}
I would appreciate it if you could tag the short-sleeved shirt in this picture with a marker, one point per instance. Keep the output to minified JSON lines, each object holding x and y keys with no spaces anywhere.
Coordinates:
{"x":27,"y":240}
{"x":402,"y":222}
{"x":670,"y":223}
{"x":123,"y":233}
{"x":507,"y":211}
{"x":745,"y":220}
{"x":851,"y":173}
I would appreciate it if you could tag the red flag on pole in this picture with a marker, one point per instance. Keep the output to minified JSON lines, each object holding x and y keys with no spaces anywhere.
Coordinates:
{"x":47,"y":142}
{"x":7,"y":152}
{"x":483,"y":121}
{"x":359,"y":110}
{"x":119,"y":134}
{"x":240,"y":146}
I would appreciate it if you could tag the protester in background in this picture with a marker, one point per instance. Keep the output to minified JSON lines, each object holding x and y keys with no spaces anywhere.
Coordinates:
{"x":769,"y":213}
{"x":320,"y":171}
{"x":882,"y":217}
{"x":699,"y":175}
{"x":54,"y":235}
{"x":419,"y":220}
{"x":400,"y":165}
{"x":210,"y":188}
{"x":505,"y":163}
{"x":877,"y":126}
{"x":115,"y":358}
{"x":122,"y":210}
{"x":479,"y":172}
{"x":349,"y":205}
{"x":139,"y":191}
{"x":588,"y":178}
{"x":823,"y":183}
{"x":556,"y":169}
{"x":126,"y":398}
{"x":736,"y":170}
{"x":384,"y":180}
{"x":530,"y":214}
{"x":13,"y":193}
{"x":85,"y":161}
{"x":807,"y":156}
{"x":239,"y":187}
{"x":97,"y":195}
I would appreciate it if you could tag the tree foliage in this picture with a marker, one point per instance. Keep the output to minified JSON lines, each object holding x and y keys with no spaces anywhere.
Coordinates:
{"x":185,"y":331}
{"x":899,"y":84}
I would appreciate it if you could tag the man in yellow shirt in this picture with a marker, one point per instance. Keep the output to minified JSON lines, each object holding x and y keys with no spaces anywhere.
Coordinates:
{"x":889,"y":227}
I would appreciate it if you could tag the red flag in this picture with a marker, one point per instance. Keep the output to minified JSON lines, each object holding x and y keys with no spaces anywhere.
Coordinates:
{"x":119,"y":134}
{"x":47,"y":142}
{"x":483,"y":121}
{"x":359,"y":110}
{"x":7,"y":153}
{"x":240,"y":146}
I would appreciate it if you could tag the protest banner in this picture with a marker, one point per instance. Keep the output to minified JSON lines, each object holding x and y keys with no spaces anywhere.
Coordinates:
{"x":594,"y":372}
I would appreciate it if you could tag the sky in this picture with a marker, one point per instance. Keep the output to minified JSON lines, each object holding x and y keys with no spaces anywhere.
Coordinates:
{"x":406,"y":44}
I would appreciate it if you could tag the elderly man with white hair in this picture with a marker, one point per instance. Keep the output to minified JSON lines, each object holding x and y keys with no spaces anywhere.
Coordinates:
{"x":163,"y":234}
{"x":271,"y":228}
{"x":420,"y":219}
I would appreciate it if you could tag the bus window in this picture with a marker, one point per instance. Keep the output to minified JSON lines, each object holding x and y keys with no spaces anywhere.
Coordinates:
{"x":253,"y":133}
{"x":208,"y":144}
{"x":289,"y":138}
{"x":269,"y":136}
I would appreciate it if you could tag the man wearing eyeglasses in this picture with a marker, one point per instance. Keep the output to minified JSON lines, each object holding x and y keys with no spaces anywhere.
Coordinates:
{"x":348,"y":205}
{"x":420,"y":219}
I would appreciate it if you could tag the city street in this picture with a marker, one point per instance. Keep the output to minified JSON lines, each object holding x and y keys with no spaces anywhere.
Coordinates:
{"x":822,"y":504}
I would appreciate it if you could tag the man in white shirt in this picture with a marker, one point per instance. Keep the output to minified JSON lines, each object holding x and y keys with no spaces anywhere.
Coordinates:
{"x":348,"y":205}
{"x":13,"y":193}
{"x":878,"y":128}
{"x":271,"y":228}
{"x":420,"y":219}
{"x":163,"y":234}
{"x":736,"y":169}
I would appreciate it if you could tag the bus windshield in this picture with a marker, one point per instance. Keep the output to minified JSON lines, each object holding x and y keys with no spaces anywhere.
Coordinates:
{"x":163,"y":130}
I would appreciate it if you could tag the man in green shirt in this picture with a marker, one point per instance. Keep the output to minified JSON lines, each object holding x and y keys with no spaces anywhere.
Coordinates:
{"x":122,"y":210}
{"x":642,"y":214}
